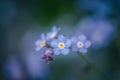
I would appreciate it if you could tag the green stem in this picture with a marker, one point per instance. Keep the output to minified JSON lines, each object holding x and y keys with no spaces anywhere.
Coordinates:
{"x":93,"y":66}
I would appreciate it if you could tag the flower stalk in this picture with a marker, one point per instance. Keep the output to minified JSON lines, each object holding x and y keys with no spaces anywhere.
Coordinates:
{"x":93,"y":66}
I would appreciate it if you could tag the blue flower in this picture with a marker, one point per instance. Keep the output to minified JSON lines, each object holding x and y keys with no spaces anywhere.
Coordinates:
{"x":80,"y":44}
{"x":61,"y":45}
{"x":40,"y":43}
{"x":53,"y":33}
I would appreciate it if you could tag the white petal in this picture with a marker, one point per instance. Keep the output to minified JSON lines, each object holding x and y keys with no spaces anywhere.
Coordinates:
{"x":52,"y":35}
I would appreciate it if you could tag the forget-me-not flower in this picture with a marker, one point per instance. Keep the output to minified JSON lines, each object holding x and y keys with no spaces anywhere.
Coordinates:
{"x":47,"y":56}
{"x":53,"y":33}
{"x":61,"y":45}
{"x":80,"y":44}
{"x":40,"y":43}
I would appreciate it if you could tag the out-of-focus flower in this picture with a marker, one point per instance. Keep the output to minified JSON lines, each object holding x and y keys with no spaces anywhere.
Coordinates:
{"x":99,"y":31}
{"x":103,"y":34}
{"x":33,"y":65}
{"x":47,"y":56}
{"x":99,"y":8}
{"x":80,"y":44}
{"x":12,"y":69}
{"x":40,"y":43}
{"x":53,"y":33}
{"x":61,"y":45}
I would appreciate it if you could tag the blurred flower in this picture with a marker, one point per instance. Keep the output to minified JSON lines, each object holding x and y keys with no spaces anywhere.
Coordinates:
{"x":47,"y":56}
{"x":80,"y":44}
{"x":61,"y":45}
{"x":12,"y":69}
{"x":33,"y":65}
{"x":40,"y":43}
{"x":53,"y":33}
{"x":99,"y":8}
{"x":103,"y":34}
{"x":99,"y":31}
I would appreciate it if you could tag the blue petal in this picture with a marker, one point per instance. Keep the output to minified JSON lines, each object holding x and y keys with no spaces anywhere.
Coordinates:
{"x":42,"y":36}
{"x":87,"y":44}
{"x":38,"y":42}
{"x":48,"y":35}
{"x":61,"y":38}
{"x":54,"y":43}
{"x":65,"y":51}
{"x":83,"y":50}
{"x":38,"y":48}
{"x":74,"y":47}
{"x":82,"y":38}
{"x":68,"y":43}
{"x":51,"y":35}
{"x":74,"y":39}
{"x":55,"y":29}
{"x":56,"y":51}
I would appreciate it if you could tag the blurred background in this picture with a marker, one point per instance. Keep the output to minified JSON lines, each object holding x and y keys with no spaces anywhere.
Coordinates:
{"x":22,"y":22}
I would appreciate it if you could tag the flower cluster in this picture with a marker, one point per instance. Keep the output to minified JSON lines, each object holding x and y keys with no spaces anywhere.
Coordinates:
{"x":57,"y":44}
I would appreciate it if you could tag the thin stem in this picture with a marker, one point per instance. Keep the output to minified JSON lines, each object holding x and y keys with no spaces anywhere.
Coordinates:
{"x":93,"y":66}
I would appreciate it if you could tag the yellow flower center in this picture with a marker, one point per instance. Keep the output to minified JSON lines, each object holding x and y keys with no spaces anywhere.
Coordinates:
{"x":43,"y":43}
{"x":79,"y":44}
{"x":61,"y":45}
